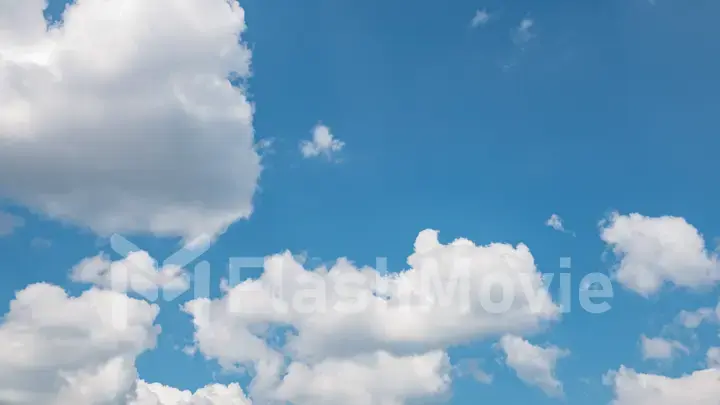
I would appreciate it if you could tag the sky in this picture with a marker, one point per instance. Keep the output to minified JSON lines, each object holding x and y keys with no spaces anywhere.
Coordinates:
{"x":187,"y":187}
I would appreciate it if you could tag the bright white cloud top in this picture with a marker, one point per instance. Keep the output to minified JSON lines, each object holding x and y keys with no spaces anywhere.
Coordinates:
{"x":122,"y":118}
{"x":633,"y":388}
{"x":656,"y":251}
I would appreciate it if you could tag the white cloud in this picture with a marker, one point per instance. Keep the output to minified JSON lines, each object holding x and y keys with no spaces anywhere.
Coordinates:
{"x":522,"y":33}
{"x":61,"y":350}
{"x":9,"y":223}
{"x":376,"y":379}
{"x":655,"y":251}
{"x":133,"y":133}
{"x":481,"y":17}
{"x":344,"y":311}
{"x":555,"y":222}
{"x":693,"y":319}
{"x":138,"y":272}
{"x":363,"y":321}
{"x":633,"y":388}
{"x":323,"y":142}
{"x":534,"y":365}
{"x":660,"y":349}
{"x":214,"y":394}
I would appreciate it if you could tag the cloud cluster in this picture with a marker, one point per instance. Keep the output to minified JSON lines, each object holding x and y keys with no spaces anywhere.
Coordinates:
{"x":57,"y":349}
{"x":366,"y":326}
{"x":122,"y":118}
{"x":130,"y":116}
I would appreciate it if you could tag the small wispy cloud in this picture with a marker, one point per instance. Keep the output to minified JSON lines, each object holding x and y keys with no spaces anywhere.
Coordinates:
{"x":40,"y":243}
{"x":323,"y":143}
{"x":9,"y":223}
{"x":471,"y":368}
{"x":265,"y":146}
{"x":522,"y":34}
{"x":556,"y":223}
{"x":482,"y":17}
{"x":661,"y":349}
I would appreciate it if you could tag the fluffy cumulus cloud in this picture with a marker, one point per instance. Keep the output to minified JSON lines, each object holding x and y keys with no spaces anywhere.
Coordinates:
{"x":56,"y":349}
{"x":61,"y":350}
{"x":360,"y":319}
{"x":214,"y":394}
{"x":653,"y":251}
{"x":660,"y":349}
{"x":451,"y":294}
{"x":535,"y":365}
{"x":632,"y":388}
{"x":323,"y":142}
{"x":122,"y":117}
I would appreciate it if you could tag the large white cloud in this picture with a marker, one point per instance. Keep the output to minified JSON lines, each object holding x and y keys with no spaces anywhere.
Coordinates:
{"x":632,"y":388}
{"x":660,"y":250}
{"x":363,"y":320}
{"x":61,"y":350}
{"x":122,"y":117}
{"x":451,"y":294}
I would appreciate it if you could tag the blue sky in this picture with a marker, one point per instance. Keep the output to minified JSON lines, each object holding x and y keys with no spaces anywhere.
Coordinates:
{"x":604,"y":107}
